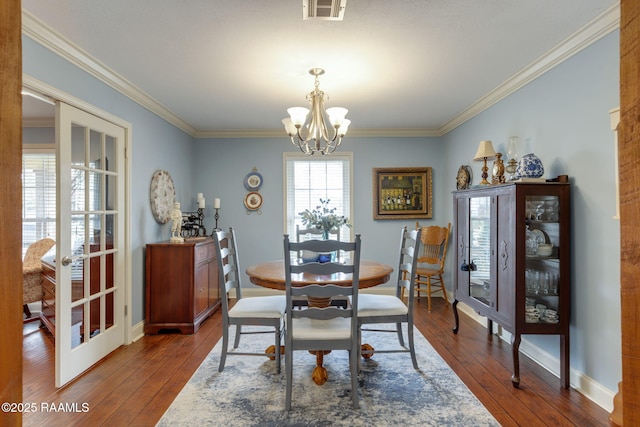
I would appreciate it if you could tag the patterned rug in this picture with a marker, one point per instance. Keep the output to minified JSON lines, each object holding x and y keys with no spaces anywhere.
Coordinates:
{"x":250,"y":393}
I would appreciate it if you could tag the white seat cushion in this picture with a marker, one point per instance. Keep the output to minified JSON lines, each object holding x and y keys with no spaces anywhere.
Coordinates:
{"x":265,"y":307}
{"x":380,"y":305}
{"x":313,"y":329}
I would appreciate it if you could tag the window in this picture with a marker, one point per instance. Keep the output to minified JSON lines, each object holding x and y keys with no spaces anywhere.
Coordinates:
{"x":309,"y":179}
{"x":38,"y":195}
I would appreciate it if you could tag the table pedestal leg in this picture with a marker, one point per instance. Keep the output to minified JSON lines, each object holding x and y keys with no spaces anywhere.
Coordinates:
{"x":320,"y":374}
{"x":366,"y":351}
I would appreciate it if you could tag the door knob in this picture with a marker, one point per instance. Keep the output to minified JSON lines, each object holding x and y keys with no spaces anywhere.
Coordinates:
{"x":67,"y":260}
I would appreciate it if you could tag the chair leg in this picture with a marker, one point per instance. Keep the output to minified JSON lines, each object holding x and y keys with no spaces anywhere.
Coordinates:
{"x":225,"y":343}
{"x":399,"y":332}
{"x":444,"y":292}
{"x":26,"y":311}
{"x":289,"y":374}
{"x":353,"y":368}
{"x":411,"y":345}
{"x":359,"y":348}
{"x":278,"y":335}
{"x":429,"y":293}
{"x":236,"y":342}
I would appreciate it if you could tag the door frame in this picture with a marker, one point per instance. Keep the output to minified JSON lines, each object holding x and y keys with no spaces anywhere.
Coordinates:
{"x":51,"y":94}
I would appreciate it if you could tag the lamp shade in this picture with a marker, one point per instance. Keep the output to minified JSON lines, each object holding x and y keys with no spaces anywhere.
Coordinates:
{"x":298,"y":115}
{"x":289,"y":127}
{"x":342,"y":131}
{"x":485,"y":151}
{"x":336,"y":115}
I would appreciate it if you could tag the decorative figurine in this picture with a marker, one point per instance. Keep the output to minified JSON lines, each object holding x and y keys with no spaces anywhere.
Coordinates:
{"x":176,"y":226}
{"x":498,"y":170}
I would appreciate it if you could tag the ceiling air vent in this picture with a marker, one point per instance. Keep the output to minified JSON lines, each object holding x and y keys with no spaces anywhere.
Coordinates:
{"x":327,"y":10}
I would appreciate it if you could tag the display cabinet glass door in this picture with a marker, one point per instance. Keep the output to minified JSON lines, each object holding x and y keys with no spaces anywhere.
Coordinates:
{"x":480,"y":286}
{"x":542,"y":266}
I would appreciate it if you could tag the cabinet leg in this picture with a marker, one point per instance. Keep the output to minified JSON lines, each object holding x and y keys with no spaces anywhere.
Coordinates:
{"x":454,"y":306}
{"x":489,"y":327}
{"x":515,"y":346}
{"x":564,"y":361}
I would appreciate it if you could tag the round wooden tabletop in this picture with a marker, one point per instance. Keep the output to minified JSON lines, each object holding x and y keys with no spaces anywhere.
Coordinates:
{"x":271,"y":275}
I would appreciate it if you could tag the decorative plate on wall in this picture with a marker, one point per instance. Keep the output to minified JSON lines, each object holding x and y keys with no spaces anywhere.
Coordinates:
{"x":463,"y":179}
{"x":161,"y":196}
{"x":253,"y":181}
{"x":253,"y":201}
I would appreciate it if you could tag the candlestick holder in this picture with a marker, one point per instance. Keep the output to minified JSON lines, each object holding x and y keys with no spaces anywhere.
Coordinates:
{"x":192,"y":224}
{"x":217,"y":217}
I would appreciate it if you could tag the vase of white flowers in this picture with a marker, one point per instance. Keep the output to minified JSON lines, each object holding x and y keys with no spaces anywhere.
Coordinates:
{"x":325,"y":219}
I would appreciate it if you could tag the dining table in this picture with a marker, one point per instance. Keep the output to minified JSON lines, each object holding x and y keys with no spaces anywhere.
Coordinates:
{"x":271,"y":275}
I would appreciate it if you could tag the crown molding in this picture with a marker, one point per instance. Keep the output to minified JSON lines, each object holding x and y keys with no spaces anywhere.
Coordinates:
{"x":36,"y":30}
{"x":357,"y":133}
{"x":599,"y":27}
{"x":593,"y":31}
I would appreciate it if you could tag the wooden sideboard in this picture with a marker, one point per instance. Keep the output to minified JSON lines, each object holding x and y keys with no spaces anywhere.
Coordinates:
{"x":181,"y":285}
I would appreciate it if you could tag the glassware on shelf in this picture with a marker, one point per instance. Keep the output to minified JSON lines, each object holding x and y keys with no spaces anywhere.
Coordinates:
{"x":512,"y":158}
{"x":539,"y":210}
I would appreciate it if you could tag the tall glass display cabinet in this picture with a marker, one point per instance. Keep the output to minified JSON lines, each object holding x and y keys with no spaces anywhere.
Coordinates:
{"x":513,"y":253}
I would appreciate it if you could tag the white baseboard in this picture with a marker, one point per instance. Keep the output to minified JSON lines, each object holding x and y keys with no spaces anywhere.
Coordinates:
{"x":580,"y":382}
{"x":137,"y":331}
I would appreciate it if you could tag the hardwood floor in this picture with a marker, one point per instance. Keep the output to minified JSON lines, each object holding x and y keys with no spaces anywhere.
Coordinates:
{"x":137,"y":383}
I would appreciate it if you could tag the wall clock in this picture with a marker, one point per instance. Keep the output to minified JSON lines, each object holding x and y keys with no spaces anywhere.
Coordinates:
{"x":161,"y":196}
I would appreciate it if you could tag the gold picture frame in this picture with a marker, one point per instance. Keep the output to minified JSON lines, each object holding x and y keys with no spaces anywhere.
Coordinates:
{"x":402,"y":193}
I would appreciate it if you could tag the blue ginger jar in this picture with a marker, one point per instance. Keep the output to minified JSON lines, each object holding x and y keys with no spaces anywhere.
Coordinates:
{"x":529,"y":166}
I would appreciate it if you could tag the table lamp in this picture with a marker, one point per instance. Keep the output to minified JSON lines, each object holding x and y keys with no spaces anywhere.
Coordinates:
{"x":485,"y":151}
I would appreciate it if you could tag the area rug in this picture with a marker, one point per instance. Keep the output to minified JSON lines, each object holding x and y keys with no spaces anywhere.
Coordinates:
{"x":249,"y":392}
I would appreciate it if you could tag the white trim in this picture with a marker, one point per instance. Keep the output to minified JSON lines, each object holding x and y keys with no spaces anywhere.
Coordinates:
{"x":580,"y":382}
{"x":599,"y":27}
{"x":614,"y":116}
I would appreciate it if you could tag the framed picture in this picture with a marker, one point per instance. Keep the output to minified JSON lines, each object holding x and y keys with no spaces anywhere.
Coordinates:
{"x":402,"y":193}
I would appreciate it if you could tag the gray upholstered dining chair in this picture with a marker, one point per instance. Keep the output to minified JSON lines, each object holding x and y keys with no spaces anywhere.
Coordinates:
{"x":322,"y":326}
{"x":381,"y":309}
{"x":255,"y":311}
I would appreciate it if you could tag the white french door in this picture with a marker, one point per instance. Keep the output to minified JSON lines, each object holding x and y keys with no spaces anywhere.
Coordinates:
{"x":90,"y":279}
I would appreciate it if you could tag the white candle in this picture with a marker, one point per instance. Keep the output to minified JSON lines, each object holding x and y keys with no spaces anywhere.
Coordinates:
{"x":216,"y":203}
{"x":200,"y":196}
{"x":201,"y":203}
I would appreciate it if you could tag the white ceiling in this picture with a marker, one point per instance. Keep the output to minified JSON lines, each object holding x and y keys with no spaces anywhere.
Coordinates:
{"x":418,"y":66}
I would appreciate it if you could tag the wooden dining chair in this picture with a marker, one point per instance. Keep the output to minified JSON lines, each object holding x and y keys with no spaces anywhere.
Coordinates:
{"x":391,"y":309}
{"x":322,"y":326}
{"x":255,"y":311}
{"x":431,"y":261}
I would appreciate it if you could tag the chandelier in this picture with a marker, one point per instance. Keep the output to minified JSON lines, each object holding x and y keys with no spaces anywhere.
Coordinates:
{"x":313,"y":137}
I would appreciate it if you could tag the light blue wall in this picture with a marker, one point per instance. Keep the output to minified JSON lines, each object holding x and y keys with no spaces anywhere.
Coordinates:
{"x":155,"y":145}
{"x":563,"y":117}
{"x":221,"y":166}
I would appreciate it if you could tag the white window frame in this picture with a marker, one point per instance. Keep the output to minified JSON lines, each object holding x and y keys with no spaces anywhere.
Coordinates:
{"x":290,"y":217}
{"x":39,"y":149}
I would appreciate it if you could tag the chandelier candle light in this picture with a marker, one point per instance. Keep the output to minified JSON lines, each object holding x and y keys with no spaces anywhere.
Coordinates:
{"x":315,"y":136}
{"x":485,"y":151}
